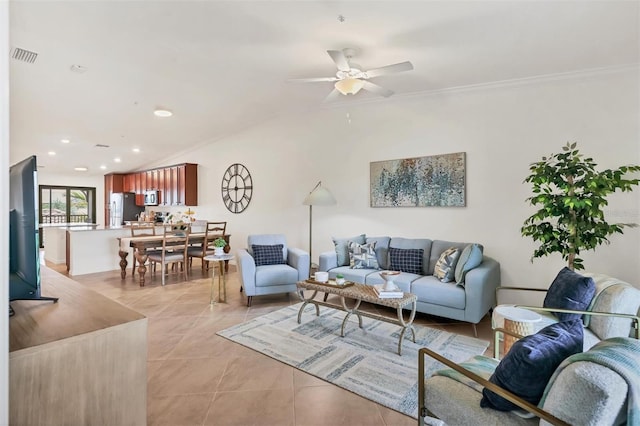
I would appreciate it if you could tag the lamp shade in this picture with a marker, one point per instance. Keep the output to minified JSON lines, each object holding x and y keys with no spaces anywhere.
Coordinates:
{"x":320,"y":196}
{"x":349,"y":86}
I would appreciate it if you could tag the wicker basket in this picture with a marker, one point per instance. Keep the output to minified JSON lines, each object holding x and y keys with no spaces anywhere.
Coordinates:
{"x":518,"y":327}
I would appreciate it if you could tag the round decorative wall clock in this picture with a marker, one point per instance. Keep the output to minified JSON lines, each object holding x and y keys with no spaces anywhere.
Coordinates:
{"x":237,"y":188}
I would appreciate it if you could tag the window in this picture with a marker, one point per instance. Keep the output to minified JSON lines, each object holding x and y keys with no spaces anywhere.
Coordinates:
{"x":67,"y":204}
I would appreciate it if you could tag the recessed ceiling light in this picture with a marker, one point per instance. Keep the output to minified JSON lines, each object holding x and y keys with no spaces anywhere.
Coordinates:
{"x":80,"y":169}
{"x":117,"y":159}
{"x":52,"y":153}
{"x":162,"y":113}
{"x":136,"y":150}
{"x":65,"y":140}
{"x":103,"y":167}
{"x":78,"y":68}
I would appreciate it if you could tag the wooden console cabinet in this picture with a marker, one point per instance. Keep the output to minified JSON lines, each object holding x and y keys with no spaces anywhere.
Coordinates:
{"x":80,"y":361}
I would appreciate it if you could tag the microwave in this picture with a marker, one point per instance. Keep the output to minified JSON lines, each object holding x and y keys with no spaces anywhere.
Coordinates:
{"x":151,"y":198}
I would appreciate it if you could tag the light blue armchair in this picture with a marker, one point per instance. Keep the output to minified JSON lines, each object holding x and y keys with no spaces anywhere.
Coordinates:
{"x":266,"y":268}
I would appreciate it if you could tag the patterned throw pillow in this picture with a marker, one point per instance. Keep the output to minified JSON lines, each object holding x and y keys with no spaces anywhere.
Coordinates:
{"x":406,"y":260}
{"x":446,"y":265}
{"x":342,"y":247}
{"x":268,"y":255}
{"x":363,"y":256}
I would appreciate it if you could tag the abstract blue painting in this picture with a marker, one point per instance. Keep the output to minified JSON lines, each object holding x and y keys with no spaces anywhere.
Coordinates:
{"x":436,"y":180}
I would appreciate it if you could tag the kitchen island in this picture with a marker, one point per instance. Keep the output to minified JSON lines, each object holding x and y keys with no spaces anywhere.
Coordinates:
{"x":94,"y":250}
{"x":97,"y":249}
{"x":54,"y":236}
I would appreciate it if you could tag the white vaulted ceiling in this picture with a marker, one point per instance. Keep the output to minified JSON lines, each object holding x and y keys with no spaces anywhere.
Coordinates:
{"x":222,"y":66}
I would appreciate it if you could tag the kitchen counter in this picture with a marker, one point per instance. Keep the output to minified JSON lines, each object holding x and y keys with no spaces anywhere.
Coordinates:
{"x":93,"y":250}
{"x":87,"y":250}
{"x":68,"y":225}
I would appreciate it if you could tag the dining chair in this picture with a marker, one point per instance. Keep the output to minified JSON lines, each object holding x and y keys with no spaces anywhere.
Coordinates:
{"x":173,"y":251}
{"x":212,"y":231}
{"x":141,"y":229}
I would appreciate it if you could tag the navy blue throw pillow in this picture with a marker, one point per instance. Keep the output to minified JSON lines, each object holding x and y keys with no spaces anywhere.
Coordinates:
{"x":530,"y":363}
{"x":570,"y":290}
{"x":268,"y":255}
{"x":406,"y":260}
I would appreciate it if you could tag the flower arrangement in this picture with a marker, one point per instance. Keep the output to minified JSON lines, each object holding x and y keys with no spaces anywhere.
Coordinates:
{"x":179,"y":219}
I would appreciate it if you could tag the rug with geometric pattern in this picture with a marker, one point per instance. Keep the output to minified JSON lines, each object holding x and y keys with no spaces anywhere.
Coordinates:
{"x":365,"y":361}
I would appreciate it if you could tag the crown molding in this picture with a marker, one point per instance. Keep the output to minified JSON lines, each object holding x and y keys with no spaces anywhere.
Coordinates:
{"x":516,"y":82}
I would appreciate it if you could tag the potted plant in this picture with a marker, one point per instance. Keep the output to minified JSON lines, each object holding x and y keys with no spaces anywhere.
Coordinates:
{"x":570,"y":195}
{"x":219,"y":245}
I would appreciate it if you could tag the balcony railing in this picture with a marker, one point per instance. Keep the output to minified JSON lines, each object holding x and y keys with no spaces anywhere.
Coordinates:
{"x":61,"y":218}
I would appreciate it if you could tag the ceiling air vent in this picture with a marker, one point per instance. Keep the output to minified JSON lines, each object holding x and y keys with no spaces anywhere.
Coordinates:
{"x":24,"y":55}
{"x":101,"y":145}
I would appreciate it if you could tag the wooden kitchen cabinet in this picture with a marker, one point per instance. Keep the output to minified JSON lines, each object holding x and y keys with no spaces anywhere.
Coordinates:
{"x":143,"y":182}
{"x":188,"y":184}
{"x":167,"y":198}
{"x":161,"y":188}
{"x":138,"y":186}
{"x":176,"y":185}
{"x":181,"y":184}
{"x":113,"y":182}
{"x":154,"y":179}
{"x":149,"y":179}
{"x":175,"y":201}
{"x":130,"y":183}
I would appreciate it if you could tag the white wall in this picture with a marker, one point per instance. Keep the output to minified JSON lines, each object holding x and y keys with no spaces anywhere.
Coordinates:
{"x":502,"y":129}
{"x":45,"y":178}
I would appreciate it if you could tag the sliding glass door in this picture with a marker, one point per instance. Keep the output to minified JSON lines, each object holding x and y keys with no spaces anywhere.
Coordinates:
{"x":66,"y":204}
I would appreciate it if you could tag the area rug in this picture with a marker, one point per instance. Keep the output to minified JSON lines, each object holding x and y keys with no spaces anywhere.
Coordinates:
{"x":365,"y":361}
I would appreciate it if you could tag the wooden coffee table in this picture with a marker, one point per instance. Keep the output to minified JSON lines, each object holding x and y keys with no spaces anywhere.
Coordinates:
{"x":360,"y":293}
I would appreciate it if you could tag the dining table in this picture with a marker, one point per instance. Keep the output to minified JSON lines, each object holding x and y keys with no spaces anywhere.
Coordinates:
{"x":142,"y":244}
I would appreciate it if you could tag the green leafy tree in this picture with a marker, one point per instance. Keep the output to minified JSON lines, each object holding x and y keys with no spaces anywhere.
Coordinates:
{"x":570,"y":195}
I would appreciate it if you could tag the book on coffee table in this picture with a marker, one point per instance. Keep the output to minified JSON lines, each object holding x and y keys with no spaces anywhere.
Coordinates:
{"x":396,"y":293}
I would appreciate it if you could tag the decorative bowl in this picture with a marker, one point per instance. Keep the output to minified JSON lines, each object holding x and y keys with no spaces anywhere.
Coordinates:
{"x":388,"y":277}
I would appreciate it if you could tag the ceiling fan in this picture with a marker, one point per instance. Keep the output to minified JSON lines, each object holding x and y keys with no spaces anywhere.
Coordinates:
{"x":350,"y":77}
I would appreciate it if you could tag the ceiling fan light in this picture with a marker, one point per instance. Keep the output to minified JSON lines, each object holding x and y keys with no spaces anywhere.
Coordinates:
{"x":349,"y":86}
{"x":161,"y":112}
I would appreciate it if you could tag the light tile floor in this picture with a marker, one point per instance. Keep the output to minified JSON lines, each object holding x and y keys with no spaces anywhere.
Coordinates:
{"x":198,"y":378}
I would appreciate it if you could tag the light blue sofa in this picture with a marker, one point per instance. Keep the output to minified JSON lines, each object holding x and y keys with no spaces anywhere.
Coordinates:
{"x":469,"y":302}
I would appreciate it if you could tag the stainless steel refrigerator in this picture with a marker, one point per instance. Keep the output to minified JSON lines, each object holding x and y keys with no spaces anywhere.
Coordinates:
{"x":122,"y":207}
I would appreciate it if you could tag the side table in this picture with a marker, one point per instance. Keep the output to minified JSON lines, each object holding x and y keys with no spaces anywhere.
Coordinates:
{"x":516,"y":320}
{"x":222,"y":277}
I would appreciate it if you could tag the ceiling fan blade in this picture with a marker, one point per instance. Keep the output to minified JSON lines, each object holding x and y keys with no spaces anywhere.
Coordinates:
{"x":312,"y":80}
{"x":389,"y":69}
{"x":378,"y":90}
{"x":334,"y":95}
{"x":340,"y":60}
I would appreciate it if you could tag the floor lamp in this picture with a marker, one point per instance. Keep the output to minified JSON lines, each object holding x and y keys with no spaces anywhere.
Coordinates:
{"x":319,"y":196}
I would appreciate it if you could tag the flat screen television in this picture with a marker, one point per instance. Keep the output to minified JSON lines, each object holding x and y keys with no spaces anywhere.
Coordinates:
{"x":24,"y":256}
